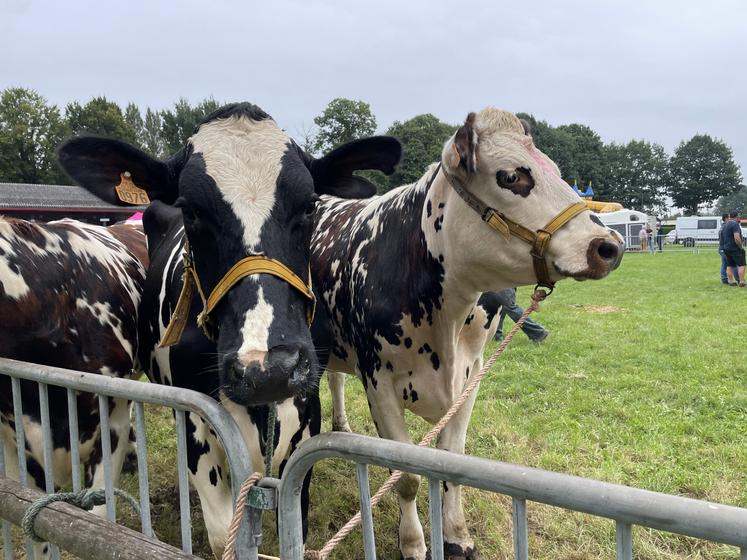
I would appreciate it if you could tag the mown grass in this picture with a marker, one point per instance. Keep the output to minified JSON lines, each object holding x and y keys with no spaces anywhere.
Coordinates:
{"x":642,"y":382}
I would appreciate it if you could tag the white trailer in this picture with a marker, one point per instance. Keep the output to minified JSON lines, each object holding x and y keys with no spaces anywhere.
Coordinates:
{"x":627,"y":223}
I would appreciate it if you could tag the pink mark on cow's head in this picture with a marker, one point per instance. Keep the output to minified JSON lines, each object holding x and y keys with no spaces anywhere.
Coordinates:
{"x":542,"y":160}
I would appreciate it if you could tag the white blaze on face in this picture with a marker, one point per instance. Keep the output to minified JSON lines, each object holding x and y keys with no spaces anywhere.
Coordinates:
{"x":256,"y":331}
{"x":243,"y":157}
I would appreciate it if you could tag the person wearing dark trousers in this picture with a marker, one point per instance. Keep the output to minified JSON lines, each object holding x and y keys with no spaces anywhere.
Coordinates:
{"x":660,"y":236}
{"x":735,"y":257}
{"x":724,"y":277}
{"x":507,"y":298}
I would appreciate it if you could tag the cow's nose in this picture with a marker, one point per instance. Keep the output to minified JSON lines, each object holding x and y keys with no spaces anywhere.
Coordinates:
{"x":608,"y":252}
{"x":293,"y":364}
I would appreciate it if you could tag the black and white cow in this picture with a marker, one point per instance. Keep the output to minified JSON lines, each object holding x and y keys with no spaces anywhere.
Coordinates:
{"x":400,"y":277}
{"x":69,"y":294}
{"x":240,"y":187}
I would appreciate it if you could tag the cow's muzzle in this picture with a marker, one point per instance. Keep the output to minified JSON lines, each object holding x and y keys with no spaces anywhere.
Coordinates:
{"x":281,"y":373}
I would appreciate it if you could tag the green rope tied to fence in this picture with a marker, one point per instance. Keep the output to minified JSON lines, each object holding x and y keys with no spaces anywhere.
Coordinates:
{"x":85,"y":499}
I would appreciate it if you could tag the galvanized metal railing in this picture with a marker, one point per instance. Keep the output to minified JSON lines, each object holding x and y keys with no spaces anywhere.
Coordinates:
{"x":178,"y":399}
{"x":624,"y":505}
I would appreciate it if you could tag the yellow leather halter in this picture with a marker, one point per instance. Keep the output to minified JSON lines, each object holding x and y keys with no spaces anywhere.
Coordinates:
{"x":248,"y":266}
{"x":539,"y":240}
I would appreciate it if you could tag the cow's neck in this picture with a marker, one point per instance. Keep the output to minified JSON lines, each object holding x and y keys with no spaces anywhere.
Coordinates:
{"x":453,"y":230}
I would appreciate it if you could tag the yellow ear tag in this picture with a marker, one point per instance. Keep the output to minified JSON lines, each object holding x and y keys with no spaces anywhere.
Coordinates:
{"x":128,"y":192}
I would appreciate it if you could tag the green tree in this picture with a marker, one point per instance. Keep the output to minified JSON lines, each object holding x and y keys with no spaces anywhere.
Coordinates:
{"x":702,"y":170}
{"x":586,"y":154}
{"x":99,"y":116}
{"x":30,"y":130}
{"x":152,"y":141}
{"x":343,"y":120}
{"x":734,"y":201}
{"x":635,"y":175}
{"x":134,"y":120}
{"x":178,"y":124}
{"x":422,"y":138}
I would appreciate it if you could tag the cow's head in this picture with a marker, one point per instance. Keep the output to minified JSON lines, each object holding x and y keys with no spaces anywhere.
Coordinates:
{"x":244,"y":188}
{"x":493,"y":156}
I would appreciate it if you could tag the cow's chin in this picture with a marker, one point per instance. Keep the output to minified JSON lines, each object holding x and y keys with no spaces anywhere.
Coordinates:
{"x":245,"y":395}
{"x":602,"y":257}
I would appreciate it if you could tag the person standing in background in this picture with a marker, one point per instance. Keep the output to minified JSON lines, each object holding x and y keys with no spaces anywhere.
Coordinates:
{"x":507,"y":298}
{"x":660,"y":235}
{"x":643,"y":239}
{"x":735,"y":258}
{"x":724,"y":277}
{"x":650,"y":239}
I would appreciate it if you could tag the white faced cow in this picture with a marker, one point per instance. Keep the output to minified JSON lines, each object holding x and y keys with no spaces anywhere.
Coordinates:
{"x":400,"y":277}
{"x":69,"y":294}
{"x":240,"y":188}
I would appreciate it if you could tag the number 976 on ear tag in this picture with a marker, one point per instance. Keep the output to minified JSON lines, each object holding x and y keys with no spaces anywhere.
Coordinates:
{"x":128,"y":192}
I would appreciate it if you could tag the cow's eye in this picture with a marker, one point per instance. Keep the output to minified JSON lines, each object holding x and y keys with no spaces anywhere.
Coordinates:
{"x":506,"y":178}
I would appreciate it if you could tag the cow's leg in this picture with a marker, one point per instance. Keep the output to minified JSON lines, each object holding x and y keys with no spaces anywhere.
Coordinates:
{"x":208,"y":473}
{"x":457,"y":541}
{"x":339,"y":415}
{"x":388,"y":416}
{"x":119,"y":436}
{"x":35,"y":479}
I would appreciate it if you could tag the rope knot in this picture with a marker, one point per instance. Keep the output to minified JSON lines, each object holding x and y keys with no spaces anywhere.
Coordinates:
{"x":85,"y":499}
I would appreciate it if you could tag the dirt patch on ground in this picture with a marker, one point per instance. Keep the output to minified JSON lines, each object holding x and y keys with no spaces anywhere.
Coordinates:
{"x":602,"y":309}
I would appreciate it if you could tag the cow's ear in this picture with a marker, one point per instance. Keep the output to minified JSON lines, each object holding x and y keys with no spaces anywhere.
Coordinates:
{"x":461,"y":151}
{"x":119,"y":173}
{"x":334,"y":173}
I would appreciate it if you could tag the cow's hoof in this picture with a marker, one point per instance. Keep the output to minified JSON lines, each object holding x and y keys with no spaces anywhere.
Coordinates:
{"x":129,"y":466}
{"x":453,"y":551}
{"x":342,"y":428}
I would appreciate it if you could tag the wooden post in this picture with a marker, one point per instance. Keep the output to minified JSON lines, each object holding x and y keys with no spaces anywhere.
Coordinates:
{"x":87,"y":536}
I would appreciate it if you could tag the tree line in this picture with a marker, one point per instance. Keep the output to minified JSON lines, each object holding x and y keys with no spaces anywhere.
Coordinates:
{"x":639,"y":174}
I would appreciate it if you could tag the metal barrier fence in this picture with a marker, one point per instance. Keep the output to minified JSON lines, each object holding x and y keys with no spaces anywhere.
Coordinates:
{"x":626,"y":506}
{"x":178,"y":399}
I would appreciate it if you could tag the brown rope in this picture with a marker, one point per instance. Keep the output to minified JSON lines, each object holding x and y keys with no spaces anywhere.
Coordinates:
{"x":324,"y":553}
{"x":238,"y":512}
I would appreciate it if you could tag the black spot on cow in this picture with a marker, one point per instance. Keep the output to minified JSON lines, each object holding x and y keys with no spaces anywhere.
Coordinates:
{"x":220,"y":472}
{"x":389,"y":366}
{"x":404,"y":393}
{"x":408,"y":342}
{"x":409,"y":373}
{"x":469,"y":318}
{"x":413,"y":393}
{"x":427,"y":347}
{"x":467,"y":374}
{"x":594,"y":218}
{"x":195,"y":449}
{"x":438,"y":223}
{"x":213,"y":477}
{"x":441,"y":205}
{"x":428,"y":208}
{"x":491,"y":304}
{"x":435,"y":361}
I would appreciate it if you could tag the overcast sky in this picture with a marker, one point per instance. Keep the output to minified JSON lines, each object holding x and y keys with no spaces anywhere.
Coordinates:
{"x":657,"y":70}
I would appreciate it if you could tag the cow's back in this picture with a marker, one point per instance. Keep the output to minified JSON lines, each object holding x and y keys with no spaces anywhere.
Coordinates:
{"x":69,"y":295}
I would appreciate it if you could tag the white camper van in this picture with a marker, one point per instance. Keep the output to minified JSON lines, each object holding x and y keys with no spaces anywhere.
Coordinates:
{"x":627,"y":223}
{"x":696,"y":230}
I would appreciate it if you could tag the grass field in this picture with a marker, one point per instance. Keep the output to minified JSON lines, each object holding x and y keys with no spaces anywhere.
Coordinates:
{"x":642,"y":382}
